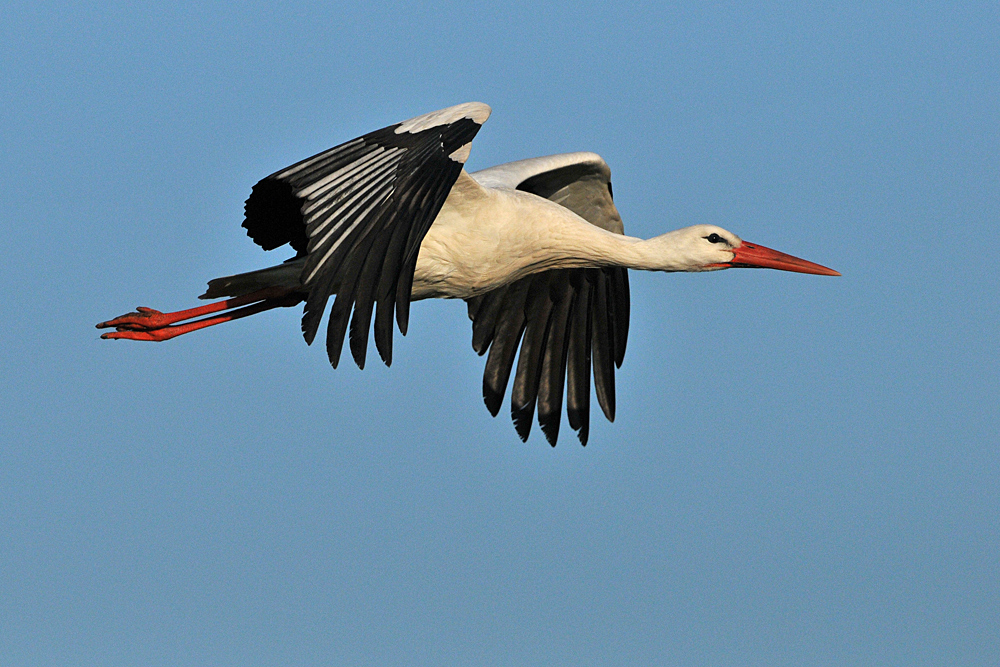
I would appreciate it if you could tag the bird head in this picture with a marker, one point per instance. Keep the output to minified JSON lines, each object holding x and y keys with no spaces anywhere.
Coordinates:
{"x":710,"y":248}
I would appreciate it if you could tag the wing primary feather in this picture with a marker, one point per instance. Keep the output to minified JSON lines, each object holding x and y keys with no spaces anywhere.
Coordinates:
{"x":553,"y":371}
{"x":426,"y":208}
{"x":389,"y":278}
{"x":578,"y":357}
{"x":608,"y":314}
{"x":364,"y":301}
{"x":376,"y":268}
{"x":620,"y":293}
{"x":386,"y":295}
{"x":312,"y":315}
{"x":529,"y":360}
{"x":391,"y":270}
{"x":602,"y":351}
{"x":485,"y":324}
{"x":473,"y":303}
{"x":423,"y":205}
{"x":336,"y":328}
{"x":432,"y":203}
{"x":501,"y":358}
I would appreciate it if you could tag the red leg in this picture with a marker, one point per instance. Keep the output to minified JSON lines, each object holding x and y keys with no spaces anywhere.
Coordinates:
{"x":146,"y":319}
{"x":152,"y":325}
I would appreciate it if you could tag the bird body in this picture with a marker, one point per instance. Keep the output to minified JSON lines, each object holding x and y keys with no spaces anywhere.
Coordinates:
{"x":536,"y":248}
{"x":488,"y":237}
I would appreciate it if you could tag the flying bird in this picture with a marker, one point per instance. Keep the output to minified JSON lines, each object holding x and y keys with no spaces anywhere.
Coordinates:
{"x":536,"y":248}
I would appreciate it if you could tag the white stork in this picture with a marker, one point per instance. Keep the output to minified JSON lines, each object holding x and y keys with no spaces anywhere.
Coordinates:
{"x":536,"y":248}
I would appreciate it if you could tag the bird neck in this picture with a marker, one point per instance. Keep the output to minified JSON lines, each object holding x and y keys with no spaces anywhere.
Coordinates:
{"x":667,"y":252}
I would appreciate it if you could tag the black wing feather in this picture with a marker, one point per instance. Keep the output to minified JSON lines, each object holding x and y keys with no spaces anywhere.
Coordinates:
{"x":566,"y":321}
{"x":505,"y":340}
{"x":578,"y":357}
{"x":425,"y":211}
{"x":485,"y":319}
{"x":620,"y":294}
{"x":553,"y":373}
{"x":537,"y":311}
{"x":602,"y":348}
{"x":358,"y":213}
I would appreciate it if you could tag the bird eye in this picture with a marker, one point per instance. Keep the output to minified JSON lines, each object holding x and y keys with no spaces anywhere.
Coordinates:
{"x":714,"y":238}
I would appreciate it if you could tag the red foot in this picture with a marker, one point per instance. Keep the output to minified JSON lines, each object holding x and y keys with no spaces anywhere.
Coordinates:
{"x":157,"y":335}
{"x":143,"y":319}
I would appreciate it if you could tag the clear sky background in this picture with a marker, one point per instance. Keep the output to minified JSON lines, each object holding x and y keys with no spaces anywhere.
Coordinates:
{"x":804,"y":470}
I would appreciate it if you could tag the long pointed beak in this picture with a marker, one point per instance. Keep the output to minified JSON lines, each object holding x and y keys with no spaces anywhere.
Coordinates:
{"x":753,"y":256}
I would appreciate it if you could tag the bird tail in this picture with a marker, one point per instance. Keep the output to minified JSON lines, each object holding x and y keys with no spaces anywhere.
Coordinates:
{"x":284,"y":275}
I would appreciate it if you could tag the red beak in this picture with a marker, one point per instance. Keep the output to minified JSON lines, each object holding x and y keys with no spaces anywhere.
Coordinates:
{"x":753,"y":256}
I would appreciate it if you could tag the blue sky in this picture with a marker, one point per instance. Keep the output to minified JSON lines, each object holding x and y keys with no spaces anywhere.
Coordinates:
{"x":803,"y":470}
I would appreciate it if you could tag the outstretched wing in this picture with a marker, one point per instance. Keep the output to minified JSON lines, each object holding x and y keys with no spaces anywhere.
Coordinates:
{"x":358,"y":213}
{"x":566,"y":320}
